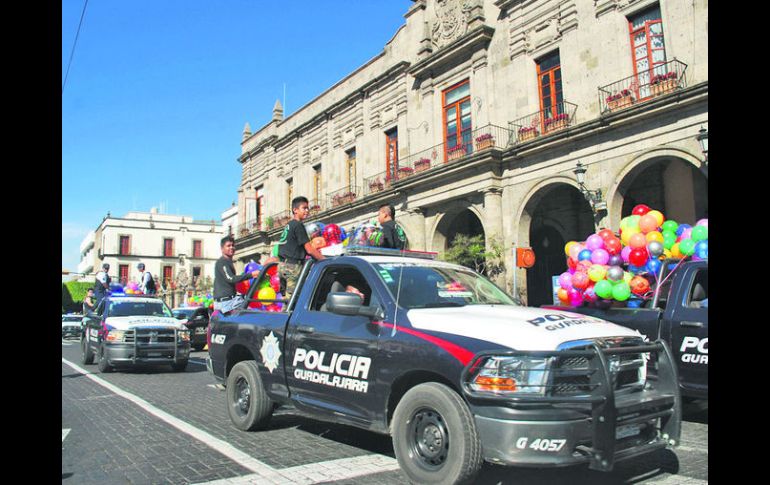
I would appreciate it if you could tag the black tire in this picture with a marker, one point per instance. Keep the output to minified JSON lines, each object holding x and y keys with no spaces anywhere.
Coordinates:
{"x":247,"y":404}
{"x":85,"y":349}
{"x":179,"y":366}
{"x":104,"y":365}
{"x":453,"y":452}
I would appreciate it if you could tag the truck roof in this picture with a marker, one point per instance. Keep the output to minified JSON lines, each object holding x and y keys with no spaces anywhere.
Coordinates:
{"x":397,"y":259}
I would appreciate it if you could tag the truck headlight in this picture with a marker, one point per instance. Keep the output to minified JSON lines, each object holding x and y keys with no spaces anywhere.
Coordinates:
{"x":116,"y":336}
{"x":519,"y":375}
{"x":184,"y":335}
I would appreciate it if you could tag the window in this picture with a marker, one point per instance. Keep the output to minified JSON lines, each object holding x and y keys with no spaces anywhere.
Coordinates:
{"x":549,"y":82}
{"x":125,"y":246}
{"x":457,"y":117}
{"x":289,"y":192}
{"x":123,"y":274}
{"x":350,"y":168}
{"x":197,"y":249}
{"x":648,"y":50}
{"x":699,"y":292}
{"x":337,"y":279}
{"x":391,"y":153}
{"x":317,"y":182}
{"x":168,"y":272}
{"x":168,"y":247}
{"x":260,"y":206}
{"x":196,"y":275}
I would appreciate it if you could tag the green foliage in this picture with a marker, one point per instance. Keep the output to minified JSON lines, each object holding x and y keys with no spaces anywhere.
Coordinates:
{"x":72,"y":295}
{"x":472,"y":252}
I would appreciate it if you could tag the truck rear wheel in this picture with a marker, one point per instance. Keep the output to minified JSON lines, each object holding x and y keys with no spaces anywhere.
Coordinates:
{"x":85,"y":348}
{"x":434,"y":436}
{"x":247,"y":404}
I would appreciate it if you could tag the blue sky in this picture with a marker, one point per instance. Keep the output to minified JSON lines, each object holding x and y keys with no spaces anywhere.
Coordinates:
{"x":159,"y":91}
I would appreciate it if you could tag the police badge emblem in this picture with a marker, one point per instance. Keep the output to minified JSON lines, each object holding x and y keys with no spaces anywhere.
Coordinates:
{"x":270,"y":352}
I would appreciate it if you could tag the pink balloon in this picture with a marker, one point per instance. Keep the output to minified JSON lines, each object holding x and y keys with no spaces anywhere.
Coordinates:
{"x":625,"y":252}
{"x":565,"y":280}
{"x":687,"y":233}
{"x":576,"y":300}
{"x":594,"y":242}
{"x":575,"y":250}
{"x":275,"y":282}
{"x":600,"y":256}
{"x":589,"y":294}
{"x":702,"y":222}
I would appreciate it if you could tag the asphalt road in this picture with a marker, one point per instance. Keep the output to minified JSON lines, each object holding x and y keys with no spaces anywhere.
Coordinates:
{"x":153,"y":426}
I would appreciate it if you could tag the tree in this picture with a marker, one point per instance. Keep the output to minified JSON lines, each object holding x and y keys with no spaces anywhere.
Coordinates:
{"x":472,"y":252}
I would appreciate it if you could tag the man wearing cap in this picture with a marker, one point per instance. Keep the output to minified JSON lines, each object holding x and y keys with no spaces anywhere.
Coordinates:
{"x":146,"y":282}
{"x":102,"y":284}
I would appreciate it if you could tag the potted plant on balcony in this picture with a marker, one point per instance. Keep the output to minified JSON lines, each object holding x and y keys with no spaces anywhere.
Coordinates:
{"x":556,"y":123}
{"x":314,"y":209}
{"x":375,"y":185}
{"x":269,"y":223}
{"x":528,"y":133}
{"x":422,"y":164}
{"x":485,"y":141}
{"x":345,"y":198}
{"x":620,"y":100}
{"x":663,"y":83}
{"x":404,"y":172}
{"x":455,"y":152}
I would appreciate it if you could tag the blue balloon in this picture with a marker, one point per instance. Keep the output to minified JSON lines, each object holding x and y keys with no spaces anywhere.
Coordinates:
{"x":343,"y":234}
{"x":251,"y":267}
{"x":584,"y":254}
{"x":634,"y":303}
{"x":636,"y":269}
{"x":682,"y":228}
{"x":653,"y":266}
{"x":702,"y":249}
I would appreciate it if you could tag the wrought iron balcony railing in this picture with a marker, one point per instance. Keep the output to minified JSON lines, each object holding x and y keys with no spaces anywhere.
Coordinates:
{"x":644,"y":86}
{"x":316,"y":206}
{"x":543,"y":122}
{"x":343,"y":196}
{"x":277,"y":220}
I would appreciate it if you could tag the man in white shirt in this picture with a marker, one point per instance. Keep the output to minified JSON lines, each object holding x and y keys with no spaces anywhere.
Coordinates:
{"x":102,"y":284}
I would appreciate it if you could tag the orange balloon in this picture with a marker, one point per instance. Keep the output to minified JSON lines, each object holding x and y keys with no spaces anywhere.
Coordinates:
{"x":648,"y":223}
{"x":639,"y":285}
{"x":654,"y":236}
{"x":675,"y":252}
{"x":318,"y":242}
{"x":638,"y":240}
{"x":659,"y":219}
{"x":563,"y":295}
{"x":605,"y":234}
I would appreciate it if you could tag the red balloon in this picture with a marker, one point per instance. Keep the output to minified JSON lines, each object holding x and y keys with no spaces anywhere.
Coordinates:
{"x":613,"y":245}
{"x":605,"y":234}
{"x":255,"y":304}
{"x":580,"y":281}
{"x":332,"y":234}
{"x":273,"y":270}
{"x":571,"y":263}
{"x":640,"y":210}
{"x":242,"y":287}
{"x":638,"y":256}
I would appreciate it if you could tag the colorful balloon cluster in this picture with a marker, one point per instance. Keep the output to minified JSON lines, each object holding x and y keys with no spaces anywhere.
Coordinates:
{"x":132,"y":288}
{"x":206,"y":301}
{"x":606,"y":268}
{"x":366,"y":234}
{"x":269,"y":289}
{"x":323,"y":235}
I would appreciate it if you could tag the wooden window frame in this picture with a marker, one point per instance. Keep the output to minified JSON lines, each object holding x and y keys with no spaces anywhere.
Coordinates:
{"x":445,"y":108}
{"x":648,"y":42}
{"x":165,"y":255}
{"x":289,"y":191}
{"x":200,"y":253}
{"x":552,"y":85}
{"x":391,"y":141}
{"x":128,"y":245}
{"x":168,"y":280}
{"x":123,"y":268}
{"x":350,"y":162}
{"x":317,"y":182}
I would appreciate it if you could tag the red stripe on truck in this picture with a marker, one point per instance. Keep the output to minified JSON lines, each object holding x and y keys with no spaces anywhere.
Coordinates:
{"x":462,"y":354}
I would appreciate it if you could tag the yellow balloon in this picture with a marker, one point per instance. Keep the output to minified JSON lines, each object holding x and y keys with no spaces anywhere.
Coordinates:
{"x":627,"y":276}
{"x":266,"y":294}
{"x":654,"y":236}
{"x":658,"y":216}
{"x":625,"y":237}
{"x":568,"y":246}
{"x":675,"y":252}
{"x":666,"y":254}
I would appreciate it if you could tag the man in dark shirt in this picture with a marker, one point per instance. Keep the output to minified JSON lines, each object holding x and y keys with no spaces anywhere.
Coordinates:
{"x":294,"y":246}
{"x":225,"y":297}
{"x":102,"y":284}
{"x":392,"y":234}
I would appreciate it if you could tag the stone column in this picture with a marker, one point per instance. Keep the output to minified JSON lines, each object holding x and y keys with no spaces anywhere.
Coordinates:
{"x":415,"y":223}
{"x":493,"y":223}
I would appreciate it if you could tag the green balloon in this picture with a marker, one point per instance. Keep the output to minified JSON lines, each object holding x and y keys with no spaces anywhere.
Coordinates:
{"x":687,"y":247}
{"x":633,"y":222}
{"x":670,"y":225}
{"x":669,"y":238}
{"x":699,"y":233}
{"x":603,"y":289}
{"x":621,"y":291}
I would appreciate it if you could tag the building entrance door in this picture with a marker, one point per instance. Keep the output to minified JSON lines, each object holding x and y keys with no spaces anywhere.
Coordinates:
{"x":548,"y":245}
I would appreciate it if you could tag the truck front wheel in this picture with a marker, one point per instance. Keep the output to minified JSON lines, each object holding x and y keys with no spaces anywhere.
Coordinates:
{"x":434,"y":436}
{"x":85,"y":347}
{"x":249,"y":407}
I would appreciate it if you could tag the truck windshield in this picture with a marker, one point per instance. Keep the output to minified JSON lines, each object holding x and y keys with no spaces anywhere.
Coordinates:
{"x":138,"y":308}
{"x":427,"y":286}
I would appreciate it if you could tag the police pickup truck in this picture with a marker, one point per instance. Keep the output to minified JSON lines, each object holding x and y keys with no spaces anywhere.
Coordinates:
{"x":445,"y":362}
{"x":677,"y":313}
{"x":134,"y":330}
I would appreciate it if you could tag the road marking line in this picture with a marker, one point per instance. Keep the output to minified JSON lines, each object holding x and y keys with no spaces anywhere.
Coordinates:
{"x":328,"y":470}
{"x":64,"y":433}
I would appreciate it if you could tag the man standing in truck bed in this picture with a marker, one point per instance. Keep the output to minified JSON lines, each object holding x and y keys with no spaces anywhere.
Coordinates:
{"x":294,"y":246}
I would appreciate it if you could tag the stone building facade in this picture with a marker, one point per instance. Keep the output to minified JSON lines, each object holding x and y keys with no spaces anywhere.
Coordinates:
{"x":473,"y":119}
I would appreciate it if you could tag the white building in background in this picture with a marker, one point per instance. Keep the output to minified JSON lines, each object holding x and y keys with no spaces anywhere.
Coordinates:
{"x":172,"y":247}
{"x":230,"y":220}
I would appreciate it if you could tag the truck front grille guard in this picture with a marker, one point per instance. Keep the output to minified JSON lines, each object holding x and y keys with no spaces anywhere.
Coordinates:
{"x":600,"y":393}
{"x":135,"y":336}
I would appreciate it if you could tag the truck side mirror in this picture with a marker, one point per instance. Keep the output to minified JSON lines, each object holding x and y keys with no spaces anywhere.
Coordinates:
{"x":351,"y":304}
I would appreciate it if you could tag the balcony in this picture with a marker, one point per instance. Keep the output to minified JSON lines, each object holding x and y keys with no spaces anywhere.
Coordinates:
{"x":543,"y":122}
{"x":277,"y":220}
{"x":478,"y":140}
{"x":662,"y":79}
{"x":344,"y":196}
{"x":316,"y":206}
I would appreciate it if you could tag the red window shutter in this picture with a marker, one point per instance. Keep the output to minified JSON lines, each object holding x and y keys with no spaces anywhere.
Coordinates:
{"x":168,"y":247}
{"x":197,"y":252}
{"x":167,"y":274}
{"x":123,"y":273}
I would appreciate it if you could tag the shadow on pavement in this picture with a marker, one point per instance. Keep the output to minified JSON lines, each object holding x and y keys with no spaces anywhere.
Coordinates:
{"x":696,"y":411}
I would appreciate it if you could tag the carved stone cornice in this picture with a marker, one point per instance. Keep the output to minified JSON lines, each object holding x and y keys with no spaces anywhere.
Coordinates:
{"x":461,"y":49}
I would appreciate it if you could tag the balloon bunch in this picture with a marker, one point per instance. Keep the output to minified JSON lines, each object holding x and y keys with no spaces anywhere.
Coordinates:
{"x":366,"y":234}
{"x":206,"y":301}
{"x":269,"y":289}
{"x":606,"y":268}
{"x":324,"y":235}
{"x":132,"y":288}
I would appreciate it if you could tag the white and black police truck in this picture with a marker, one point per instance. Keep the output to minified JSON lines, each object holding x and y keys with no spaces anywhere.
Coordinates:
{"x":445,"y":362}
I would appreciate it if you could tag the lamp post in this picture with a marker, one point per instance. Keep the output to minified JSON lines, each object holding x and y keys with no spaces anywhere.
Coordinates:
{"x":703,"y":139}
{"x":594,"y":197}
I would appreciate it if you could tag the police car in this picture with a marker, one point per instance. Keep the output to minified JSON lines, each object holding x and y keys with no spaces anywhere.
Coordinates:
{"x":70,"y":325}
{"x":128,"y":330}
{"x":449,"y":365}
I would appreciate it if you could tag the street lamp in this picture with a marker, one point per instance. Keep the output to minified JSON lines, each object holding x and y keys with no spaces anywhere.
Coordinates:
{"x":703,"y":139}
{"x":594,"y":197}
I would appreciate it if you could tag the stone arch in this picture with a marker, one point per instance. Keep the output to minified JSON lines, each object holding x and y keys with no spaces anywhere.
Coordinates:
{"x":675,"y":185}
{"x":443,"y":226}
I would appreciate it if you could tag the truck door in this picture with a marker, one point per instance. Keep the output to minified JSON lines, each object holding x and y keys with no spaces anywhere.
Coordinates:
{"x":687,"y":321}
{"x":332,"y":359}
